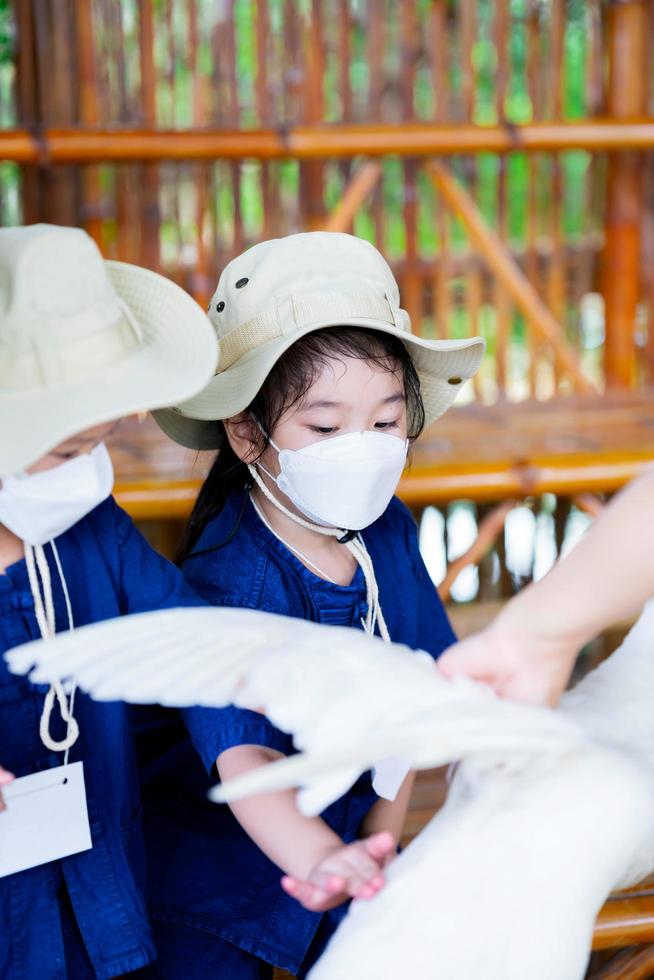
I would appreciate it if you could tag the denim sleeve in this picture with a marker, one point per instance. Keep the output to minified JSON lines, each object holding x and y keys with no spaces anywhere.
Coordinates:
{"x":213,"y":730}
{"x":147,"y":580}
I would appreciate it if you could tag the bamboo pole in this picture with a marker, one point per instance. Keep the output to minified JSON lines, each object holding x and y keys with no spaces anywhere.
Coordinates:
{"x":411,"y":284}
{"x":262,"y":90}
{"x":54,"y":35}
{"x":627,"y":95}
{"x":490,"y":528}
{"x":312,"y":172}
{"x":376,"y":31}
{"x":89,"y":115}
{"x":361,"y":185}
{"x":152,"y":499}
{"x":27,"y":102}
{"x":149,"y":190}
{"x":500,"y":298}
{"x":201,"y":276}
{"x":70,"y":145}
{"x":505,"y":268}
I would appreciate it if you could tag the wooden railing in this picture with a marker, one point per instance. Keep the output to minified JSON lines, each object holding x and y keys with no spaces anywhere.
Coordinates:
{"x":319,"y":141}
{"x":182,"y":139}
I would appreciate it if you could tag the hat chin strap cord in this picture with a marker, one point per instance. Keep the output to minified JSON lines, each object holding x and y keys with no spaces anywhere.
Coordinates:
{"x":35,"y":559}
{"x":374,"y":617}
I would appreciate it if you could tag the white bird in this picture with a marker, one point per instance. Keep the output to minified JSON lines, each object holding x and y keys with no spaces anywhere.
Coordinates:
{"x":549,"y":811}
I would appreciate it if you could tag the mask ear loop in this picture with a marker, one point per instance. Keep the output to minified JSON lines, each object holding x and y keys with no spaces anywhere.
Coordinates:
{"x":374,"y":616}
{"x":356,"y":547}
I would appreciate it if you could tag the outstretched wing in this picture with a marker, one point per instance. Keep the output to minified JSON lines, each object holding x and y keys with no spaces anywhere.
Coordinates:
{"x":350,"y":700}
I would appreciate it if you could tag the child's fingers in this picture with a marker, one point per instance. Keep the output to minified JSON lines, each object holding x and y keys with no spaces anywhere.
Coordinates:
{"x":311,"y":896}
{"x":379,"y":845}
{"x":303,"y":891}
{"x":327,"y":881}
{"x":365,"y":877}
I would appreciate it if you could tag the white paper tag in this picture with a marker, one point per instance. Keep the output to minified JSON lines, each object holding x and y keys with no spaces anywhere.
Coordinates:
{"x":388,"y":776}
{"x":46,"y":818}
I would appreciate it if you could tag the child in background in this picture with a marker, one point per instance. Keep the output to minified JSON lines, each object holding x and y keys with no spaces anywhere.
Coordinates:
{"x":320,"y":390}
{"x":82,"y":343}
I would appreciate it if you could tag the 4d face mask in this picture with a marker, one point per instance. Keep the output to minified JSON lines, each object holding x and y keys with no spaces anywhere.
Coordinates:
{"x":38,"y":507}
{"x":346,"y":481}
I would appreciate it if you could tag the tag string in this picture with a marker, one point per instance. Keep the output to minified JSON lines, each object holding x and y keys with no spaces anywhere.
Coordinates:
{"x":374,"y":617}
{"x":37,"y":567}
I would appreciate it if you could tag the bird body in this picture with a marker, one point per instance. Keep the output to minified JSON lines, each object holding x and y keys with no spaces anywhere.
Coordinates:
{"x":507,"y":879}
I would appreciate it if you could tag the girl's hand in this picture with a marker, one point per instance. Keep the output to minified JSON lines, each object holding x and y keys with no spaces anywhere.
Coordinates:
{"x":524,"y":668}
{"x":5,"y":777}
{"x":348,"y":871}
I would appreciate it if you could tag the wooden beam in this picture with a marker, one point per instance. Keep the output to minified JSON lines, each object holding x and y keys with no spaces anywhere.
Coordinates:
{"x":89,"y":115}
{"x":488,"y":532}
{"x":319,"y":140}
{"x":503,"y":265}
{"x":620,"y":266}
{"x":565,"y":477}
{"x":356,"y":192}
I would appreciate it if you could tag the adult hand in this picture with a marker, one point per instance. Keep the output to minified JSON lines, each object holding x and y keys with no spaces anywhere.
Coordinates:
{"x":523,"y":667}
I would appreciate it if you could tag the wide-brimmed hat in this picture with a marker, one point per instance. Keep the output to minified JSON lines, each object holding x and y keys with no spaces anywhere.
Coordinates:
{"x":281,"y":290}
{"x":84,"y":341}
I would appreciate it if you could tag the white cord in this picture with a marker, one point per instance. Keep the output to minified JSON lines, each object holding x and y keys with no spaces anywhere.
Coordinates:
{"x":44,"y":611}
{"x":374,"y":617}
{"x":296,"y":551}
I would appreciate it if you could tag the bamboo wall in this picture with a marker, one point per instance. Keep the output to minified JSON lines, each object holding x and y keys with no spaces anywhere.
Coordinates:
{"x":577,"y":223}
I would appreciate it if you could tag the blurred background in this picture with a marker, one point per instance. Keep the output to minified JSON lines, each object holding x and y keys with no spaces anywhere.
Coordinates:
{"x":498,"y":152}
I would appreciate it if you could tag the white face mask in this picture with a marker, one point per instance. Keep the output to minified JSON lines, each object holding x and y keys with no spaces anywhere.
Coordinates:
{"x":38,"y":507}
{"x":346,"y":481}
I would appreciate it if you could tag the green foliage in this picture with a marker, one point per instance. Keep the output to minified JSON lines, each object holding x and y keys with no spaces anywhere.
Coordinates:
{"x":6,"y":33}
{"x":485,"y":175}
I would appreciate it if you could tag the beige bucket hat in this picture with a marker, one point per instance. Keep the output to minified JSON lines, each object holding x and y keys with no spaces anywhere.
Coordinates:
{"x":280,"y":290}
{"x":84,"y":341}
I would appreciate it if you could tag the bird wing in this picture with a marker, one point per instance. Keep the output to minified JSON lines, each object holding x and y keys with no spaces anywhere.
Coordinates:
{"x":350,"y":700}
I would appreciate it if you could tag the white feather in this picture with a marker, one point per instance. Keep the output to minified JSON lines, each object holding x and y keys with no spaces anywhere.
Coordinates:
{"x":350,"y":700}
{"x":507,"y":880}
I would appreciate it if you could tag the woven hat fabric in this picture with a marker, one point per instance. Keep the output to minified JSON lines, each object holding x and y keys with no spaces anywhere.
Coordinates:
{"x":84,"y":341}
{"x":279,"y":291}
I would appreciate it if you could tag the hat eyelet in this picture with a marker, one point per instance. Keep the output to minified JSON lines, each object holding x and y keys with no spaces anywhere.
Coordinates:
{"x":241,"y":282}
{"x":454,"y":381}
{"x":220,"y":306}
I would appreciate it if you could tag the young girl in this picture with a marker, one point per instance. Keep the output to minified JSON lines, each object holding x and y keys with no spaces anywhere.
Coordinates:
{"x":320,"y":389}
{"x":82,"y":343}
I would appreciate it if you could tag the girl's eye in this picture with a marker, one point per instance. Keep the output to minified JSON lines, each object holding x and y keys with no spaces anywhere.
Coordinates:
{"x":65,"y":455}
{"x":323,"y":430}
{"x":386,"y":425}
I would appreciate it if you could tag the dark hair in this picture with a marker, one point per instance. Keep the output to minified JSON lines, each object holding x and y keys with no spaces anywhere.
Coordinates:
{"x":286,"y":385}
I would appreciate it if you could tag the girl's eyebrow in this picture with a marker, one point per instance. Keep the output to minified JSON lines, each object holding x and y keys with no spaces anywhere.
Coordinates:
{"x":321,"y":403}
{"x":399,"y":396}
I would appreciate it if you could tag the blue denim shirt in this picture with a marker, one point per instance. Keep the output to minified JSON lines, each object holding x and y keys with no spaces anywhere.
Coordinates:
{"x":215,"y":878}
{"x":110,"y":570}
